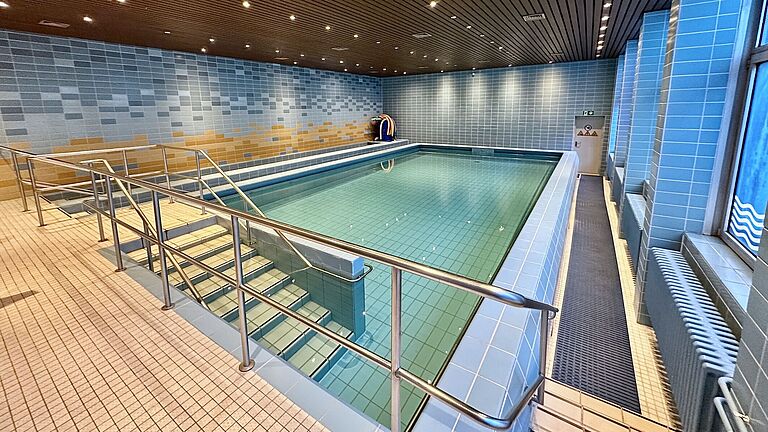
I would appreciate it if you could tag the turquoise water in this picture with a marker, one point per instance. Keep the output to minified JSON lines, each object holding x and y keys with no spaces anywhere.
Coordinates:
{"x":456,"y":212}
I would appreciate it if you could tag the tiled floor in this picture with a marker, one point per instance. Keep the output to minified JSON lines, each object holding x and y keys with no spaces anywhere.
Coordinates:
{"x":86,"y":348}
{"x":652,"y":386}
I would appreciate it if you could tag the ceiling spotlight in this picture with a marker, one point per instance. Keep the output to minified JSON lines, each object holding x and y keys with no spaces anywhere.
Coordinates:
{"x":599,"y":47}
{"x":204,"y":50}
{"x":604,"y":28}
{"x":395,"y":70}
{"x":211,"y":40}
{"x":295,"y":62}
{"x":411,"y":52}
{"x":424,"y":56}
{"x":167,"y":32}
{"x":292,"y":17}
{"x":87,"y":19}
{"x":469,"y":26}
{"x":473,"y":68}
{"x":345,"y":69}
{"x":509,"y":65}
{"x":607,"y":5}
{"x":384,"y":69}
{"x":301,"y":55}
{"x":277,"y":51}
{"x":356,"y":36}
{"x":404,"y":72}
{"x":432,"y":4}
{"x":605,"y":18}
{"x":341,"y":61}
{"x":246,"y":4}
{"x":598,"y":56}
{"x":551,"y":61}
{"x":323,"y":59}
{"x":437,"y":59}
{"x":441,"y":70}
{"x":247,"y":45}
{"x":357,"y":64}
{"x":482,"y":35}
{"x":397,"y":48}
{"x":602,"y":35}
{"x":121,"y":1}
{"x":453,"y":16}
{"x":327,"y":27}
{"x":501,"y":47}
{"x":4,"y":5}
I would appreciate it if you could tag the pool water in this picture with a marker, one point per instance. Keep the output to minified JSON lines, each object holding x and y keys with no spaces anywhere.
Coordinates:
{"x":457,"y":212}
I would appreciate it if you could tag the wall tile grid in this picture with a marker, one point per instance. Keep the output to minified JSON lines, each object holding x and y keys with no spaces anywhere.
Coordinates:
{"x":626,"y":106}
{"x":751,"y":377}
{"x":699,"y":52}
{"x":616,"y":103}
{"x":531,"y":107}
{"x":62,"y":93}
{"x":648,"y":74}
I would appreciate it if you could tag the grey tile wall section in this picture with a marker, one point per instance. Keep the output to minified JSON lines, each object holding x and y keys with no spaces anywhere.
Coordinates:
{"x":529,"y":107}
{"x":751,"y":377}
{"x":648,"y":73}
{"x":626,"y":103}
{"x":53,"y":89}
{"x":699,"y":53}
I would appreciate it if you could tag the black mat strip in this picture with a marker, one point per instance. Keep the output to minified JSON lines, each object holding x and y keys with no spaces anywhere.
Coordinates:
{"x":593,"y":352}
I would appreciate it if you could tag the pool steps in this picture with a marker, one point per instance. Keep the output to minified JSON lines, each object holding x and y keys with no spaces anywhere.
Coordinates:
{"x":286,"y":337}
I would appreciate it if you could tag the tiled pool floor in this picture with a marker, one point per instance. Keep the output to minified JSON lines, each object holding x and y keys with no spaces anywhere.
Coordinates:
{"x":458,"y":213}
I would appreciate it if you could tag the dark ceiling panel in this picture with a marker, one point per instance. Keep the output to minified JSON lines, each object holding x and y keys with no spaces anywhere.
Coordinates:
{"x":481,"y":34}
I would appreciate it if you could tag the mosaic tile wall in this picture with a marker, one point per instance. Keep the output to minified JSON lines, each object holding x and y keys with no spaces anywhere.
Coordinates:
{"x":648,"y":73}
{"x":529,"y":107}
{"x":616,"y":103}
{"x":626,"y":104}
{"x":751,"y":377}
{"x":699,"y":53}
{"x":61,"y":94}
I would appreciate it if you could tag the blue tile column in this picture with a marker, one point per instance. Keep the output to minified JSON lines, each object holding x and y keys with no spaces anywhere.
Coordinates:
{"x":650,"y":67}
{"x":750,"y":380}
{"x":615,"y":113}
{"x":699,"y":53}
{"x":627,"y":103}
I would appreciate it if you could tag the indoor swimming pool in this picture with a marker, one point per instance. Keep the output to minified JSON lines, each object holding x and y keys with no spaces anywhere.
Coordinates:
{"x":454,"y":210}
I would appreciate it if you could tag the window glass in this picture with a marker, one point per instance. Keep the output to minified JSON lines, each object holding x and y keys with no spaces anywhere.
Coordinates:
{"x":751,"y":194}
{"x":764,"y":37}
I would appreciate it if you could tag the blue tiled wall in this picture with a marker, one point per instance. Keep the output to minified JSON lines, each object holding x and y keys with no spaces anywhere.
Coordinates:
{"x":525,"y":107}
{"x":650,"y":63}
{"x":626,"y":104}
{"x":54,"y":90}
{"x":699,"y":53}
{"x":751,"y":376}
{"x":616,"y":103}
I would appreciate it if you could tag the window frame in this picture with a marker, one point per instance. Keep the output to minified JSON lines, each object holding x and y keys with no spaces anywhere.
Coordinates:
{"x":757,"y":55}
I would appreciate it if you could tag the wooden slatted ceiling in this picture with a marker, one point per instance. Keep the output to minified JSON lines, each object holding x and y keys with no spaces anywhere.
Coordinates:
{"x":498,"y":35}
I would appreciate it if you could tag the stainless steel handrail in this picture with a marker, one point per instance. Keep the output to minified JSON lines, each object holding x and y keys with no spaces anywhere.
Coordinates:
{"x":728,"y":399}
{"x":398,"y":266}
{"x":147,"y":226}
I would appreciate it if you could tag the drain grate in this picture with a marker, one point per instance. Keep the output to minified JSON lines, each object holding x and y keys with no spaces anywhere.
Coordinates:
{"x":593,"y":352}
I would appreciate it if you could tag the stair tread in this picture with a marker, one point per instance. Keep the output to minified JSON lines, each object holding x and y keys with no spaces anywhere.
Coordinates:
{"x":210,"y":235}
{"x":219,"y":259}
{"x":318,"y":349}
{"x":262,"y":313}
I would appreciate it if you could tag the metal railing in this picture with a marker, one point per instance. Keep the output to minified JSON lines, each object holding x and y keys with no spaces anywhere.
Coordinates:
{"x":728,"y":399}
{"x":398,"y":266}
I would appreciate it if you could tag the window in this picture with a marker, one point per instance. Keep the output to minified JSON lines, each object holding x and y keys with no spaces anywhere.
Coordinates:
{"x":764,"y":37}
{"x":750,"y":196}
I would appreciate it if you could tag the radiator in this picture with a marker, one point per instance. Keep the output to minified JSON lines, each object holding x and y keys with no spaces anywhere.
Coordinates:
{"x":695,"y":343}
{"x":632,"y":217}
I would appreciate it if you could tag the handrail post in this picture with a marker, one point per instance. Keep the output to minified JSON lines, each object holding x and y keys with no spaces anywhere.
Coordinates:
{"x":543,"y":342}
{"x":199,"y":180}
{"x":113,"y":218}
{"x":35,"y":192}
{"x":167,"y":173}
{"x":19,"y":182}
{"x":167,"y":304}
{"x":396,"y":336}
{"x":125,"y":170}
{"x":96,"y":203}
{"x":148,"y":247}
{"x":246,"y":363}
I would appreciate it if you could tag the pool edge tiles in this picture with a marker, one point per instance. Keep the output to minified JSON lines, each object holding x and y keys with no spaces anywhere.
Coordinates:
{"x":498,"y":356}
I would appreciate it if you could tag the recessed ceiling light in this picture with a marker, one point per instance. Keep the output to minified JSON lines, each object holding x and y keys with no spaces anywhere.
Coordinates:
{"x":404,"y":72}
{"x":4,"y":5}
{"x":602,"y":35}
{"x":432,"y":4}
{"x":605,"y":18}
{"x":441,"y":70}
{"x":482,"y":35}
{"x":397,"y":48}
{"x":384,"y":69}
{"x":323,"y":59}
{"x":341,"y":61}
{"x":501,"y":47}
{"x":473,"y":68}
{"x":509,"y":65}
{"x":469,"y":26}
{"x":599,"y":47}
{"x":167,"y":32}
{"x":327,"y":27}
{"x":246,"y":4}
{"x":292,"y":17}
{"x":277,"y":50}
{"x":551,"y":61}
{"x":437,"y":59}
{"x":247,"y":45}
{"x":607,"y":5}
{"x":211,"y":40}
{"x":205,"y":50}
{"x":378,"y":42}
{"x":425,"y":56}
{"x":603,"y":28}
{"x":411,"y":52}
{"x":453,"y":16}
{"x":357,"y":64}
{"x":87,"y":19}
{"x":301,"y":55}
{"x":121,"y":1}
{"x":598,"y":55}
{"x":356,"y":36}
{"x":295,"y":62}
{"x":345,"y":69}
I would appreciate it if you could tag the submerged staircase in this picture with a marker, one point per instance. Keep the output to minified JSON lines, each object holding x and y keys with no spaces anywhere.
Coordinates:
{"x":566,"y":409}
{"x":211,"y":243}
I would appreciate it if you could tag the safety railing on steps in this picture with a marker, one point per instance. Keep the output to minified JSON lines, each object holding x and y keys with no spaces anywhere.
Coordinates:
{"x":728,"y":408}
{"x":398,"y":265}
